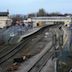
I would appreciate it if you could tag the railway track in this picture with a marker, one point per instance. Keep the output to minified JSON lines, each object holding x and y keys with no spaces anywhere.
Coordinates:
{"x":15,"y":49}
{"x":9,"y":49}
{"x":7,"y":46}
{"x":12,"y":51}
{"x":3,"y":49}
{"x":42,"y":61}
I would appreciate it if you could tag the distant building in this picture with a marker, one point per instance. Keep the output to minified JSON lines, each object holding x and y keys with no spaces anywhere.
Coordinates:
{"x":28,"y":23}
{"x":4,"y":19}
{"x":51,"y":20}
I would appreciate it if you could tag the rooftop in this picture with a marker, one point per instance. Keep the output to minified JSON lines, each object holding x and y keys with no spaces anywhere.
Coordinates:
{"x":4,"y":13}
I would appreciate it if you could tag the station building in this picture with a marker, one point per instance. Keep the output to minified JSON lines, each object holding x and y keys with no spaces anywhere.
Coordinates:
{"x":4,"y":19}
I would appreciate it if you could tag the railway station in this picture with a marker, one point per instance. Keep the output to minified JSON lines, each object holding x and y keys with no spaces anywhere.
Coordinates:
{"x":35,"y":41}
{"x":37,"y":45}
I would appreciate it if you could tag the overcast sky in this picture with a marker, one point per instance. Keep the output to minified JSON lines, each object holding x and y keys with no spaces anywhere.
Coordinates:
{"x":28,"y":6}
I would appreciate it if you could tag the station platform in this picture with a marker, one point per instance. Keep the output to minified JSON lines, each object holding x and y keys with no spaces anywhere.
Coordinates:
{"x":29,"y":32}
{"x":18,"y":38}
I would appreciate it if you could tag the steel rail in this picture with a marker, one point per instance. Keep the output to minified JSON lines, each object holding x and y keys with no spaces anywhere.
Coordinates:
{"x":37,"y":66}
{"x":15,"y":49}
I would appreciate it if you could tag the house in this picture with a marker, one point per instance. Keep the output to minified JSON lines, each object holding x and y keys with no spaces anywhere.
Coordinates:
{"x":4,"y":19}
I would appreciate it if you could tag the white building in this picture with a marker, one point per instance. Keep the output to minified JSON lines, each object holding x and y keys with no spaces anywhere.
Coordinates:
{"x":4,"y":19}
{"x":52,"y":20}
